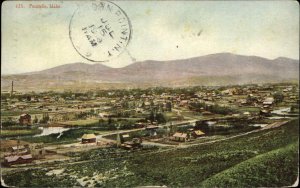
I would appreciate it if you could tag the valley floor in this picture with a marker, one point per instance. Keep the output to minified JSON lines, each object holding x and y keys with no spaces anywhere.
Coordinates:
{"x":266,"y":158}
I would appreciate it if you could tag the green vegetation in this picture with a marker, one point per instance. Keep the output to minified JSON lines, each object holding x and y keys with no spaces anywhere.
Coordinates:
{"x":277,"y":168}
{"x":159,"y":117}
{"x":278,"y":97}
{"x":104,"y":124}
{"x":266,"y":158}
{"x":67,"y":136}
{"x":249,"y":109}
{"x":82,"y":122}
{"x":207,"y":160}
{"x":109,"y":153}
{"x":211,"y":108}
{"x":18,"y":113}
{"x":19,"y":132}
{"x":26,"y":180}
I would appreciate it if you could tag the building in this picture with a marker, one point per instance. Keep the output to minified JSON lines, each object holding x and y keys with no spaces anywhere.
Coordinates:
{"x":10,"y":145}
{"x":264,"y":112}
{"x":134,"y":144}
{"x":151,"y":130}
{"x":18,"y":159}
{"x":19,"y":149}
{"x":25,"y":119}
{"x":88,"y":138}
{"x":37,"y":150}
{"x":197,"y":133}
{"x":105,"y":115}
{"x":181,"y":137}
{"x":268,"y":101}
{"x":207,"y":113}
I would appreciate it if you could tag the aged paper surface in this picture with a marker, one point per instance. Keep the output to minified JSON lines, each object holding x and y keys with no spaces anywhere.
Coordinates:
{"x":149,"y":93}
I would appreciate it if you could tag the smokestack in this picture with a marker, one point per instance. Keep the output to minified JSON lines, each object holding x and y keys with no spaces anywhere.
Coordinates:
{"x":12,"y":88}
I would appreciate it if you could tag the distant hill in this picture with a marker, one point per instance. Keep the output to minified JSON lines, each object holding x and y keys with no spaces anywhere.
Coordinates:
{"x":215,"y":69}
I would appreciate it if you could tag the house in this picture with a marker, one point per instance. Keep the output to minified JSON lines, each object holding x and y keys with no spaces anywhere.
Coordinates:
{"x":18,"y":159}
{"x":122,"y":138}
{"x":181,"y":137}
{"x":125,"y":137}
{"x":264,"y":113}
{"x":139,"y":125}
{"x":268,"y":101}
{"x":207,"y":113}
{"x":183,"y":103}
{"x":197,"y":133}
{"x":134,"y":144}
{"x":247,"y":113}
{"x":25,"y":119}
{"x":105,"y":115}
{"x":38,"y":151}
{"x":88,"y":138}
{"x":151,"y":130}
{"x":19,"y":149}
{"x":8,"y":145}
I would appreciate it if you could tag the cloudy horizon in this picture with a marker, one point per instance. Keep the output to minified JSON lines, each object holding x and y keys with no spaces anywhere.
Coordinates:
{"x":36,"y":39}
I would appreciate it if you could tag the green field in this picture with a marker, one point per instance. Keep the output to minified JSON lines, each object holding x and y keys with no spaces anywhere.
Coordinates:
{"x":265,"y":158}
{"x":84,"y":122}
{"x":18,"y":113}
{"x":95,"y":122}
{"x":19,"y":132}
{"x":278,"y":165}
{"x":68,"y":136}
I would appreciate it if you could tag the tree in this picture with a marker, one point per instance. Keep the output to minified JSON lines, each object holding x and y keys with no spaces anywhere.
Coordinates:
{"x":92,"y":111}
{"x":35,"y":120}
{"x":151,"y":116}
{"x":45,"y":118}
{"x":169,"y":106}
{"x":160,"y":118}
{"x":278,"y":97}
{"x":110,"y":121}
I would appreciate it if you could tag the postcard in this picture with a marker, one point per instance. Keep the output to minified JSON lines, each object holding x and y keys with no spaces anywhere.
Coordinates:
{"x":158,"y":93}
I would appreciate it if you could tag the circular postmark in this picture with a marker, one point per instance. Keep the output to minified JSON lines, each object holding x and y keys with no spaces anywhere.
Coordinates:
{"x":99,"y":31}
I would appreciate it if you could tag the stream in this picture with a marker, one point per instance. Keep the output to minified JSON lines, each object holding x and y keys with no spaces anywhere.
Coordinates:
{"x":52,"y":130}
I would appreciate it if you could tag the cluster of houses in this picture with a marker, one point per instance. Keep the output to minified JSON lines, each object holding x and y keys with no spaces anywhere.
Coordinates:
{"x":66,"y":108}
{"x":20,"y":152}
{"x":138,"y":105}
{"x":187,"y":136}
{"x":123,"y":141}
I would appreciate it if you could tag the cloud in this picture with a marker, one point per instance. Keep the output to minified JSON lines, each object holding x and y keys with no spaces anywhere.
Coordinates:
{"x":36,"y":39}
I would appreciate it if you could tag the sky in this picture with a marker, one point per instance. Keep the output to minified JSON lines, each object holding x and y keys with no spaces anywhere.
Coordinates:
{"x":35,"y":39}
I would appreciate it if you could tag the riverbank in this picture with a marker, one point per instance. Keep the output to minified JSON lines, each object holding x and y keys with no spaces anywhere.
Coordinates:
{"x":9,"y":133}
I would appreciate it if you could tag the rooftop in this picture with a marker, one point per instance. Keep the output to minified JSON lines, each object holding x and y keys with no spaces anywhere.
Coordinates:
{"x":88,"y":136}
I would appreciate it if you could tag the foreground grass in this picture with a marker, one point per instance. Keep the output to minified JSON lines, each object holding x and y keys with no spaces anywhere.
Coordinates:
{"x":265,"y":156}
{"x":272,"y":169}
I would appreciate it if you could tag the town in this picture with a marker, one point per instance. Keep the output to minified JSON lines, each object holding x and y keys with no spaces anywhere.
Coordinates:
{"x":52,"y":128}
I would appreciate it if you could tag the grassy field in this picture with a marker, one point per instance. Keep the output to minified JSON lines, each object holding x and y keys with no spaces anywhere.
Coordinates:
{"x":249,"y":109}
{"x":272,"y":169}
{"x":19,"y":132}
{"x":85,"y":122}
{"x":95,"y":122}
{"x":18,"y":113}
{"x":68,"y":136}
{"x":265,"y":158}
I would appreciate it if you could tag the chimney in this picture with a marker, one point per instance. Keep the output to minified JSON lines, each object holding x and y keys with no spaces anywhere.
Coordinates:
{"x":12,"y":88}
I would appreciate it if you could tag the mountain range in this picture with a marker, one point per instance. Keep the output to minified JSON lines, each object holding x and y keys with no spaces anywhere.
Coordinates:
{"x":214,"y":69}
